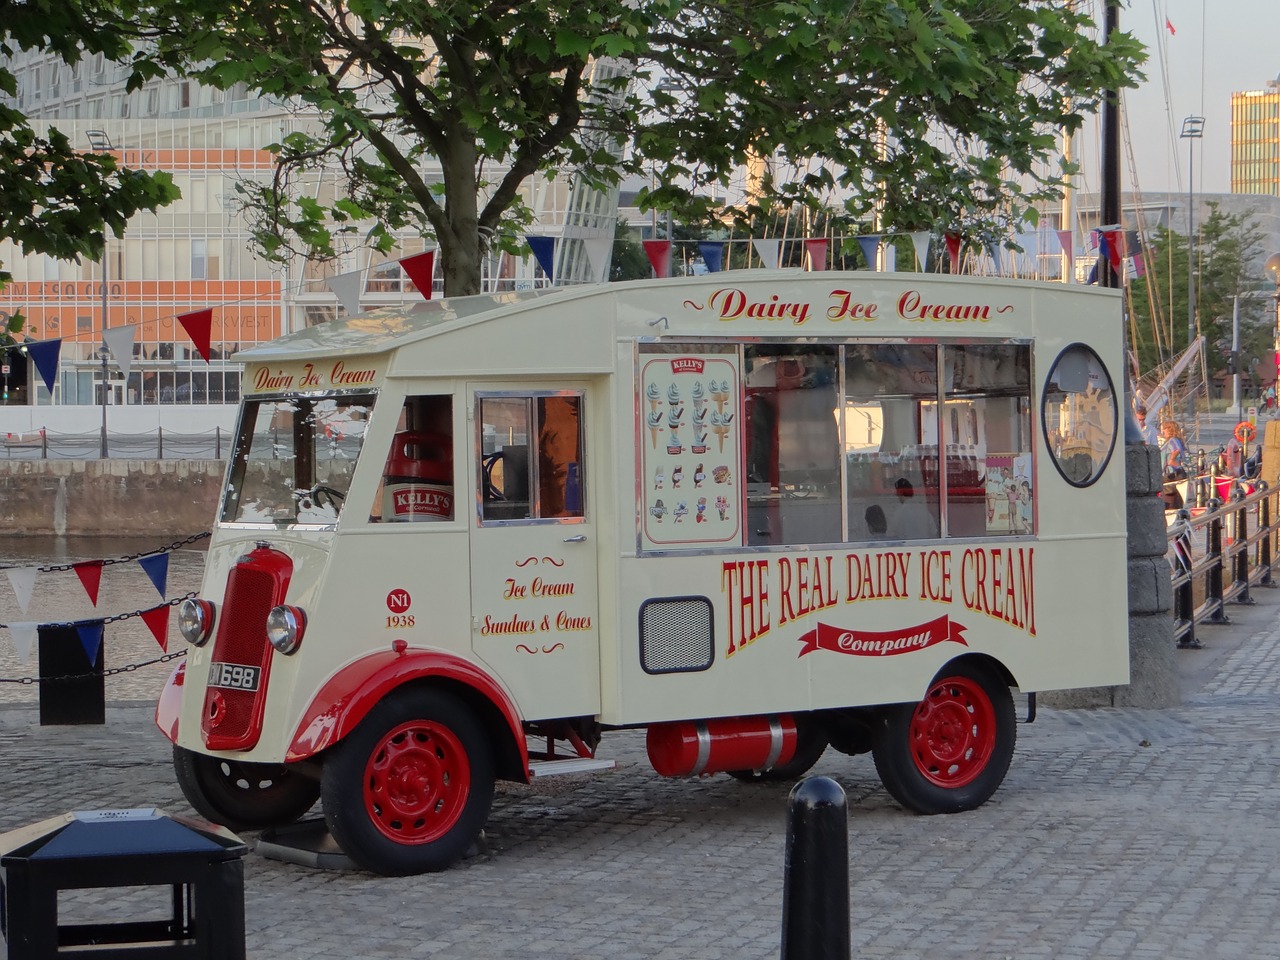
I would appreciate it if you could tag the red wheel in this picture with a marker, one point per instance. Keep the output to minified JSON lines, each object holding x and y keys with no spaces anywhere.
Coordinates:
{"x":950,"y":751}
{"x":953,"y":733}
{"x":416,"y":782}
{"x":409,"y":789}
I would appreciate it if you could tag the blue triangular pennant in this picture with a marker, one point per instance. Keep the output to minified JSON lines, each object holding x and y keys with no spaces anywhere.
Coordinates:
{"x":544,"y":251}
{"x":870,"y":247}
{"x":90,"y":634}
{"x":712,"y":255}
{"x":157,"y":568}
{"x":45,"y":356}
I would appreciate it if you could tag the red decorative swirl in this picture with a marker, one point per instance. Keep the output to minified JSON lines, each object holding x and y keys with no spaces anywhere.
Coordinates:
{"x":526,"y":561}
{"x":553,"y":561}
{"x":553,"y":648}
{"x":690,"y":303}
{"x":522,"y":648}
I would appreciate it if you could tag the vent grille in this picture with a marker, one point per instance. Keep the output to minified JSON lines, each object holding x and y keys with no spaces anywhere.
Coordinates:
{"x":676,"y":635}
{"x":242,"y":639}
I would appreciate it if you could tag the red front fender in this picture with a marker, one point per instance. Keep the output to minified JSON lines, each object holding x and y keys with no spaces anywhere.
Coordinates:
{"x":351,"y":693}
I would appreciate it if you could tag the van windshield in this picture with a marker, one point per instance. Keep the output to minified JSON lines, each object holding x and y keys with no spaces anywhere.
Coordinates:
{"x":294,"y":458}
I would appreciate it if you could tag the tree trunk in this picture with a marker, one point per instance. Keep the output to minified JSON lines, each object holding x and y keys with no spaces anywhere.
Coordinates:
{"x":461,"y":250}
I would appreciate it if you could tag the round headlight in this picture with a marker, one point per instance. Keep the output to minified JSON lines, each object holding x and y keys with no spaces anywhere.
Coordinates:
{"x":285,"y":627}
{"x":195,"y":620}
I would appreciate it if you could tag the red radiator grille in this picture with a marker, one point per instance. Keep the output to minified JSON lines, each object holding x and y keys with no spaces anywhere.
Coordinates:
{"x":232,"y":717}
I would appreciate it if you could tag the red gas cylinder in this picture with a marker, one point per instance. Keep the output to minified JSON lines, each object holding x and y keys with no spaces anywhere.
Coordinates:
{"x":418,"y":483}
{"x":688,"y":748}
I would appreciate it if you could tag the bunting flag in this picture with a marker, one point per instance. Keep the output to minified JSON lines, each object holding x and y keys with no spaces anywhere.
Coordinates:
{"x":1064,"y":238}
{"x":817,"y":251}
{"x":1109,"y":244}
{"x":544,"y":251}
{"x":23,"y":581}
{"x":24,"y":638}
{"x":993,"y":249}
{"x":953,"y":251}
{"x":90,"y":574}
{"x":659,"y":254}
{"x":347,"y":287}
{"x":198,"y":325}
{"x":156,"y":567}
{"x":421,"y":268}
{"x":44,"y":354}
{"x":870,"y":246}
{"x":1168,"y":25}
{"x":157,"y":621}
{"x":1139,"y":264}
{"x":119,"y":340}
{"x":90,"y":634}
{"x":1132,"y":243}
{"x":768,"y":251}
{"x":712,"y":255}
{"x":920,"y":240}
{"x":599,"y":252}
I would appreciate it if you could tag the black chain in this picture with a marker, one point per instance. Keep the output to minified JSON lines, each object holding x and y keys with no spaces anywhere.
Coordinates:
{"x":128,"y":668}
{"x":114,"y":618}
{"x":57,"y":568}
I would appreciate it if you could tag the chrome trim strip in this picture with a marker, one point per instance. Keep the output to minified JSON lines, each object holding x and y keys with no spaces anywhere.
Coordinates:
{"x":775,"y":744}
{"x":704,"y":750}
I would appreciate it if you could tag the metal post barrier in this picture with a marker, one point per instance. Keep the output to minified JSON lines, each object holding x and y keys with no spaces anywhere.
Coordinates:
{"x":1213,"y":577}
{"x":217,"y":443}
{"x":1240,"y":559}
{"x":159,"y":443}
{"x":1183,"y":595}
{"x":44,"y":444}
{"x":1264,"y":542}
{"x":815,"y":890}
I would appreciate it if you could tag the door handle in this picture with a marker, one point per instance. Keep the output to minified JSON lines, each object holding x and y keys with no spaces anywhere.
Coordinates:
{"x":580,"y":538}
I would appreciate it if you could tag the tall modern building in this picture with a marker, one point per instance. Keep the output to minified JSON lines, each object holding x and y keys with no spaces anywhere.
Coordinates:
{"x":1255,"y":140}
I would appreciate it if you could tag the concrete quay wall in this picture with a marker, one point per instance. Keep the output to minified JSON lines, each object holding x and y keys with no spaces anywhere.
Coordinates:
{"x":108,"y":497}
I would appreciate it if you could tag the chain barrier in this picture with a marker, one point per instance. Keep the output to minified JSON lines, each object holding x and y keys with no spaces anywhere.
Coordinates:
{"x":113,"y":618}
{"x":128,"y":668}
{"x":58,"y":568}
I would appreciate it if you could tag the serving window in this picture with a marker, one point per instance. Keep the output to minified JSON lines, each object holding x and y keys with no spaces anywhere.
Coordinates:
{"x":531,"y":449}
{"x":863,"y":442}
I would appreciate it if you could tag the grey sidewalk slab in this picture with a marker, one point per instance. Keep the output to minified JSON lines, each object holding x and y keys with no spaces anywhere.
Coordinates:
{"x":1118,"y":833}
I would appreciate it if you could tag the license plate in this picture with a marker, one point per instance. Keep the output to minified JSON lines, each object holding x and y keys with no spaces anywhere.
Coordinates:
{"x":234,"y":676}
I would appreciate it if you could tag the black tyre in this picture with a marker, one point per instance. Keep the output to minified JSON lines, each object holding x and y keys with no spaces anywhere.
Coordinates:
{"x":243,"y":796}
{"x":811,"y":742}
{"x":410,"y":789}
{"x":950,"y":751}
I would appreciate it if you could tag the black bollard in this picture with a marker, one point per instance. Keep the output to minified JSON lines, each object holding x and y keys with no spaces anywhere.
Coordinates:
{"x":815,"y":890}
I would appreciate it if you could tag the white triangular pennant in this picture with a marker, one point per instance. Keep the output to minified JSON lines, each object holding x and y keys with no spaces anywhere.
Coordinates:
{"x":119,"y":341}
{"x":24,"y":638}
{"x":347,"y":287}
{"x":23,"y":581}
{"x":920,"y":240}
{"x":599,"y":252}
{"x":768,"y":251}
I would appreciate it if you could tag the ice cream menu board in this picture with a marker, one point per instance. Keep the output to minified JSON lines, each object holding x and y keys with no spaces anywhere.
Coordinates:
{"x":690,"y":449}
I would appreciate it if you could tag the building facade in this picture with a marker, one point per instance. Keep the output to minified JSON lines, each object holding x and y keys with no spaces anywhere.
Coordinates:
{"x":1255,"y":140}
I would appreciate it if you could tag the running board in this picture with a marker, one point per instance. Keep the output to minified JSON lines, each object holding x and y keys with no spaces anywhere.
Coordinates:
{"x":559,"y":768}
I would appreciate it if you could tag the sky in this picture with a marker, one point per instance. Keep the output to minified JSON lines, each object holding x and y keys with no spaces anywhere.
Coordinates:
{"x":1218,"y":47}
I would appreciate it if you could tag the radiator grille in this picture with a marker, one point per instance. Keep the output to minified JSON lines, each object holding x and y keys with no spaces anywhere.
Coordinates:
{"x":242,"y":639}
{"x":676,"y":635}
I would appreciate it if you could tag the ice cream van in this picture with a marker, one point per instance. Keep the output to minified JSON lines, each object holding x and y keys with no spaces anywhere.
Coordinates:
{"x":758,"y":515}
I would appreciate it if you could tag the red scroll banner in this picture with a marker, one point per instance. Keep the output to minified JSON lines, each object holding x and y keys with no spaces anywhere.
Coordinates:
{"x":881,"y":643}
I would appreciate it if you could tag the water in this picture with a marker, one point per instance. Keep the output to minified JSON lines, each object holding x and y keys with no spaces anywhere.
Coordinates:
{"x":59,"y":597}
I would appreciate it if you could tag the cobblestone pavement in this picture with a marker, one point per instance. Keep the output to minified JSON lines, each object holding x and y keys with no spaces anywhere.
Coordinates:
{"x":1119,"y":833}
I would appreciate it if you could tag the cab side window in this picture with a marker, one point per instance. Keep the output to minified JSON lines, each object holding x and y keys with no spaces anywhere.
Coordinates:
{"x":531,"y":457}
{"x":417,"y":479}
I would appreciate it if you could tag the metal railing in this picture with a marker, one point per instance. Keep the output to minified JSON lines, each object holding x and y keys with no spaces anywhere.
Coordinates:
{"x":1239,"y":549}
{"x":158,"y":444}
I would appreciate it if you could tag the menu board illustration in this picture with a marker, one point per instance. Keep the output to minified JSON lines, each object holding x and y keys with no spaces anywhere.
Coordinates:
{"x":690,"y":450}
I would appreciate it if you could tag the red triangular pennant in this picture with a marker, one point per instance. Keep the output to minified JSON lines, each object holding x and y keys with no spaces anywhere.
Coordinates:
{"x":953,"y":251}
{"x":90,"y":574}
{"x":157,"y":620}
{"x":198,"y":325}
{"x":817,"y":250}
{"x":1112,"y":239}
{"x":420,"y":268}
{"x":659,"y":254}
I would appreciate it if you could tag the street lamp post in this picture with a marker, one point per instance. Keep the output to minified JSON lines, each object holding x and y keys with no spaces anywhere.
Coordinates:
{"x":100,"y":142}
{"x":1192,"y":130}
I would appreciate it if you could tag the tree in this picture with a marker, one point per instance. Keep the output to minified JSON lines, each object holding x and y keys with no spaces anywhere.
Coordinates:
{"x":1227,"y":252}
{"x":945,"y":112}
{"x":55,"y":199}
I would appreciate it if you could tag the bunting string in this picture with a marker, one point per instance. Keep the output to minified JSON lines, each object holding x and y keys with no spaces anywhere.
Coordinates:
{"x":129,"y":558}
